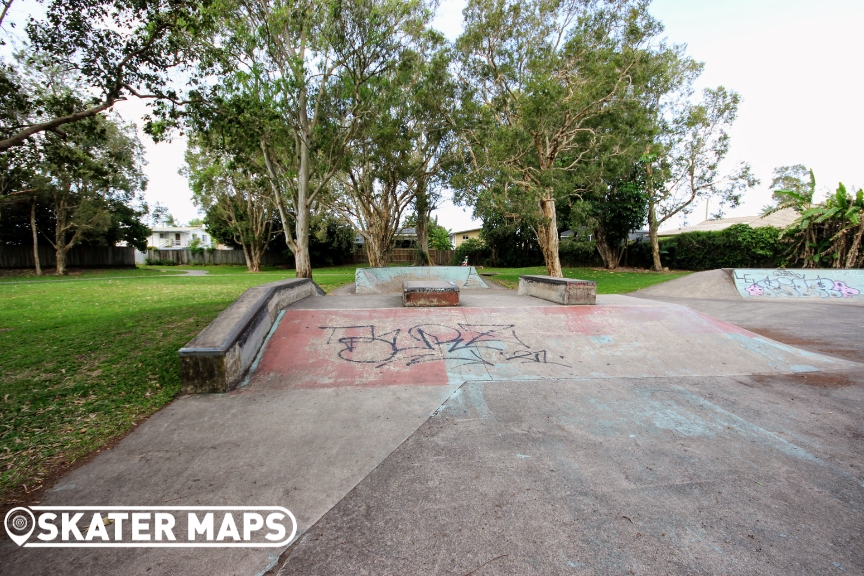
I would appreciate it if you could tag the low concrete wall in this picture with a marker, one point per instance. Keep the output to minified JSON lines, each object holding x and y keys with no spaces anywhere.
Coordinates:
{"x":390,"y":279}
{"x":827,"y":284}
{"x":220,"y":356}
{"x":565,"y":291}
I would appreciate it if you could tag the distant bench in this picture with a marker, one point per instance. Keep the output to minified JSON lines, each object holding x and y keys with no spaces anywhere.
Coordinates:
{"x":429,"y":293}
{"x":565,"y":291}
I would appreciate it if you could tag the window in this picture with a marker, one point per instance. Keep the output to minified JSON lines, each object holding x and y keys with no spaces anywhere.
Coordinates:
{"x":177,"y":236}
{"x":464,"y":237}
{"x":194,"y":236}
{"x":162,"y":235}
{"x":204,"y":238}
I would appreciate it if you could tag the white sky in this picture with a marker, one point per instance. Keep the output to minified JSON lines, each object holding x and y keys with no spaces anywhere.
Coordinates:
{"x":797,"y":64}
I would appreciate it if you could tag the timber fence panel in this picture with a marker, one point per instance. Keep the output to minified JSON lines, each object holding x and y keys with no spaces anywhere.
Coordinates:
{"x":77,"y":257}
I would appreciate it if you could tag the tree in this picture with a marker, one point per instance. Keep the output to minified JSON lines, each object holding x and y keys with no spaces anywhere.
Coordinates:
{"x":538,"y":73}
{"x":119,"y":48}
{"x":686,"y":158}
{"x":613,"y":210}
{"x":830,"y":232}
{"x":439,"y":237}
{"x":97,"y":165}
{"x":302,"y":68}
{"x":393,"y":161}
{"x":797,"y":179}
{"x":236,"y":196}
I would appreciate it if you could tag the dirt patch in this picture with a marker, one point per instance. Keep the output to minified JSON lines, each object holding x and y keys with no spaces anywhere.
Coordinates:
{"x":817,"y":379}
{"x":813,"y":344}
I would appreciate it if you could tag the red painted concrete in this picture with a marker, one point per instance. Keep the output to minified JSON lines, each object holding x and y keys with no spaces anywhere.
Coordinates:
{"x":301,"y":350}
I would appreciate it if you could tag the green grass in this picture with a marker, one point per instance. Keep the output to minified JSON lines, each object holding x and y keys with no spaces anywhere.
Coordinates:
{"x":608,"y":281}
{"x":75,"y":274}
{"x":83,"y":358}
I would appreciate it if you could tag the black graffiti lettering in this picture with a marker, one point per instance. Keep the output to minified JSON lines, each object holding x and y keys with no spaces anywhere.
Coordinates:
{"x":423,"y":343}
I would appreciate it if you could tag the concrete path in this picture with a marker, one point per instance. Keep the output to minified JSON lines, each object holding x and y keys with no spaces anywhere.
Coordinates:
{"x":507,"y":436}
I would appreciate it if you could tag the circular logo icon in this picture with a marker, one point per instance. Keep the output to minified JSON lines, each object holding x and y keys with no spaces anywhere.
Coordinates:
{"x":19,"y":523}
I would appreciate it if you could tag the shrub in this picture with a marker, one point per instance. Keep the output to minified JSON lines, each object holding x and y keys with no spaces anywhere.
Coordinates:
{"x":738,"y":246}
{"x":475,"y":250}
{"x":575,"y":253}
{"x":158,"y":262}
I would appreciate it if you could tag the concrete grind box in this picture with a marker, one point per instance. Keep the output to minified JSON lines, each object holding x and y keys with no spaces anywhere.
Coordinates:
{"x":430,"y":293}
{"x":565,"y":291}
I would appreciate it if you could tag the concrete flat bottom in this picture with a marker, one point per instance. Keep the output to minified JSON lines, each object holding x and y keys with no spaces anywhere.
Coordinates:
{"x":668,"y":476}
{"x":511,"y":436}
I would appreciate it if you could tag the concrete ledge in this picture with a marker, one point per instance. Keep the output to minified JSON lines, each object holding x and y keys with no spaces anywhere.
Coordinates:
{"x":430,"y":293}
{"x":565,"y":291}
{"x":220,"y":356}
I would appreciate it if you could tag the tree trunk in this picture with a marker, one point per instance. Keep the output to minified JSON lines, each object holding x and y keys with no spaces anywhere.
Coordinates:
{"x":61,"y":259}
{"x":35,"y":237}
{"x":302,"y":262}
{"x":547,"y":236}
{"x":653,"y":225}
{"x":60,"y":245}
{"x":852,"y":257}
{"x":377,"y":252}
{"x":611,"y":255}
{"x":421,"y":205}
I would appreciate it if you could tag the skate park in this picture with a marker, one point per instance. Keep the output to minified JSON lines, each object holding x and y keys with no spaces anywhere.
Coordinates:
{"x":681,"y":428}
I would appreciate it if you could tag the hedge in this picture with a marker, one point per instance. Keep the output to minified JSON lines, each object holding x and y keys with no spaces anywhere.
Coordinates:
{"x":738,"y":246}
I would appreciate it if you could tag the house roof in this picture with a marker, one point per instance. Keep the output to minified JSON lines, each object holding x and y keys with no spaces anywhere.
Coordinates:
{"x":177,"y":228}
{"x":464,"y":231}
{"x":779,"y":219}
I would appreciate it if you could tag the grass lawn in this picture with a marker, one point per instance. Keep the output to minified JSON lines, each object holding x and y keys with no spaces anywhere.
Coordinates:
{"x":608,"y":281}
{"x":82,"y":358}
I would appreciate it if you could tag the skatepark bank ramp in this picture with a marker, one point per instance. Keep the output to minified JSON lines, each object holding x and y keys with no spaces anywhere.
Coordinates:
{"x":385,"y":280}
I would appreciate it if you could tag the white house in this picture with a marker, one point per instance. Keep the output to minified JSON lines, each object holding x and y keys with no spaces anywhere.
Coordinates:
{"x":178,"y":237}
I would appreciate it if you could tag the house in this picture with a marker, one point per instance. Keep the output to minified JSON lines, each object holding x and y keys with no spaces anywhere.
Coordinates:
{"x":779,"y":219}
{"x":404,"y":238}
{"x":457,"y":238}
{"x":178,"y":237}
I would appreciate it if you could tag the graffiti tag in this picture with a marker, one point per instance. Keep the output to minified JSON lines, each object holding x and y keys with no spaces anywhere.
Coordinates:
{"x":465,"y":343}
{"x":786,"y":284}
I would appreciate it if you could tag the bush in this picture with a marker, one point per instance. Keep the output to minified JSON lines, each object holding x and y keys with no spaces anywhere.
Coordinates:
{"x":157,"y":262}
{"x":738,"y":246}
{"x":574,"y":253}
{"x":475,"y":250}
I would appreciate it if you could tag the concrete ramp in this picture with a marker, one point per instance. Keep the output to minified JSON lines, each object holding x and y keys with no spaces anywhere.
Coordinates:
{"x":710,"y":284}
{"x":384,"y":280}
{"x":446,"y":347}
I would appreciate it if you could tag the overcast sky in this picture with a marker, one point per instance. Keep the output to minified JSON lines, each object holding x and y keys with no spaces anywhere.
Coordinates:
{"x":797,"y":64}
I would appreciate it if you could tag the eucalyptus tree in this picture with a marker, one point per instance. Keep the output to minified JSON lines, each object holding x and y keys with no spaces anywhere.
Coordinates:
{"x":686,"y":159}
{"x":304,"y":66}
{"x":119,"y":49}
{"x":394,"y":162}
{"x":536,"y":75}
{"x":98,"y":164}
{"x":235,"y":193}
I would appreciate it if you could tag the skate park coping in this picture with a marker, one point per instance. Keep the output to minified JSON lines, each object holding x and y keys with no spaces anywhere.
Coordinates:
{"x":218,"y":358}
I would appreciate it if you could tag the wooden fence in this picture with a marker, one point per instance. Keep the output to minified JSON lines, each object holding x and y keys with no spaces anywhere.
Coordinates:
{"x":408,"y":255}
{"x":77,"y":257}
{"x":186,"y":257}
